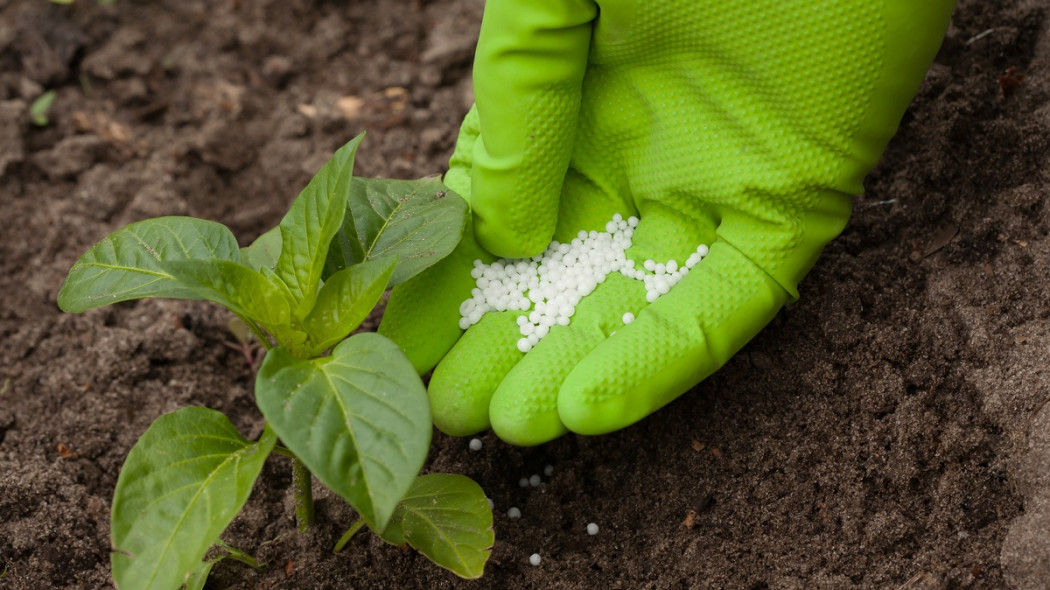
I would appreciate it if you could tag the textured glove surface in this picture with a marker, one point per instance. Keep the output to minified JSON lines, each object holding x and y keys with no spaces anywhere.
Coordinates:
{"x":745,"y":125}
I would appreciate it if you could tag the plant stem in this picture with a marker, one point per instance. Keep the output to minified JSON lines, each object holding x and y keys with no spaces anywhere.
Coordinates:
{"x":349,"y":533}
{"x":238,"y":555}
{"x":284,"y":452}
{"x":260,"y":334}
{"x":302,"y":481}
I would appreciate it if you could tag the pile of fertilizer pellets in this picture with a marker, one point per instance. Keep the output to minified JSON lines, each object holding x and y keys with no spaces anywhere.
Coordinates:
{"x":548,"y":287}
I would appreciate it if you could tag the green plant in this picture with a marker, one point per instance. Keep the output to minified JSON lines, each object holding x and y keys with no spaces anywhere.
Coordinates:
{"x":350,"y":410}
{"x":38,"y":110}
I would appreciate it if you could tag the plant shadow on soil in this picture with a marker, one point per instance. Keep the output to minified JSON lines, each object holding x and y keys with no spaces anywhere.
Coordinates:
{"x":887,"y":431}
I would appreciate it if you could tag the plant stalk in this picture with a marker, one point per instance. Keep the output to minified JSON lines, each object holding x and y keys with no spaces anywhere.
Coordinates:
{"x":302,"y":487}
{"x":238,"y":555}
{"x":284,"y":452}
{"x":259,"y":333}
{"x":349,"y":533}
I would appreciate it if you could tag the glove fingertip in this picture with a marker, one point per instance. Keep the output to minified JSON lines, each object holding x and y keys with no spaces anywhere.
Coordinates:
{"x":520,"y":419}
{"x":500,"y":239}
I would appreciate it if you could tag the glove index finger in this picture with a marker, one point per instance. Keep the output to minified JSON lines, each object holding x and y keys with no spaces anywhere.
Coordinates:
{"x":528,"y":73}
{"x":459,"y":165}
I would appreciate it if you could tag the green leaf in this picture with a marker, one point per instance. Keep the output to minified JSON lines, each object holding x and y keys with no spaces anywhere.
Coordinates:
{"x":264,"y":251}
{"x":253,"y":296}
{"x":358,"y":419}
{"x":127,"y":264}
{"x":199,"y":576}
{"x":447,"y":518}
{"x":38,"y":110}
{"x":234,"y":286}
{"x":418,"y":221}
{"x":308,"y":227}
{"x":181,"y":485}
{"x":345,"y":301}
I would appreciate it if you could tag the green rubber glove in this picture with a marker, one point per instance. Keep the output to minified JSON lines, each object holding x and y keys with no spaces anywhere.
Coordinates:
{"x":742,"y":124}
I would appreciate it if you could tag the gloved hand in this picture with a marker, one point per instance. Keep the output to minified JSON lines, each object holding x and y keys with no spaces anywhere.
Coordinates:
{"x":742,"y":124}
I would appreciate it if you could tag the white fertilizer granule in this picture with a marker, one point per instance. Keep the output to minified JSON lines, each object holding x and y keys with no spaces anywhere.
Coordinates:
{"x":548,"y":287}
{"x":535,"y":559}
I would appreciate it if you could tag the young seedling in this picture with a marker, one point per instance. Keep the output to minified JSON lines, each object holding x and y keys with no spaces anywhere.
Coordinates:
{"x":245,"y":345}
{"x":38,"y":110}
{"x":350,"y":410}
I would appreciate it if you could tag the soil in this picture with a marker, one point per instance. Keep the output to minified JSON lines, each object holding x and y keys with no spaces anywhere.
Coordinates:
{"x":890,"y":430}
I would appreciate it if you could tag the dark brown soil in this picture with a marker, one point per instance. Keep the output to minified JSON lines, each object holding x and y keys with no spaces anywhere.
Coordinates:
{"x":890,"y":430}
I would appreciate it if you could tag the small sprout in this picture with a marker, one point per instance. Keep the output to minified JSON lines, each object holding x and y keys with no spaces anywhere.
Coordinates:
{"x":475,"y":444}
{"x":241,"y":556}
{"x":239,"y":329}
{"x":535,"y":559}
{"x":592,"y":529}
{"x":301,"y":300}
{"x":38,"y":110}
{"x":535,"y":481}
{"x":513,"y":512}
